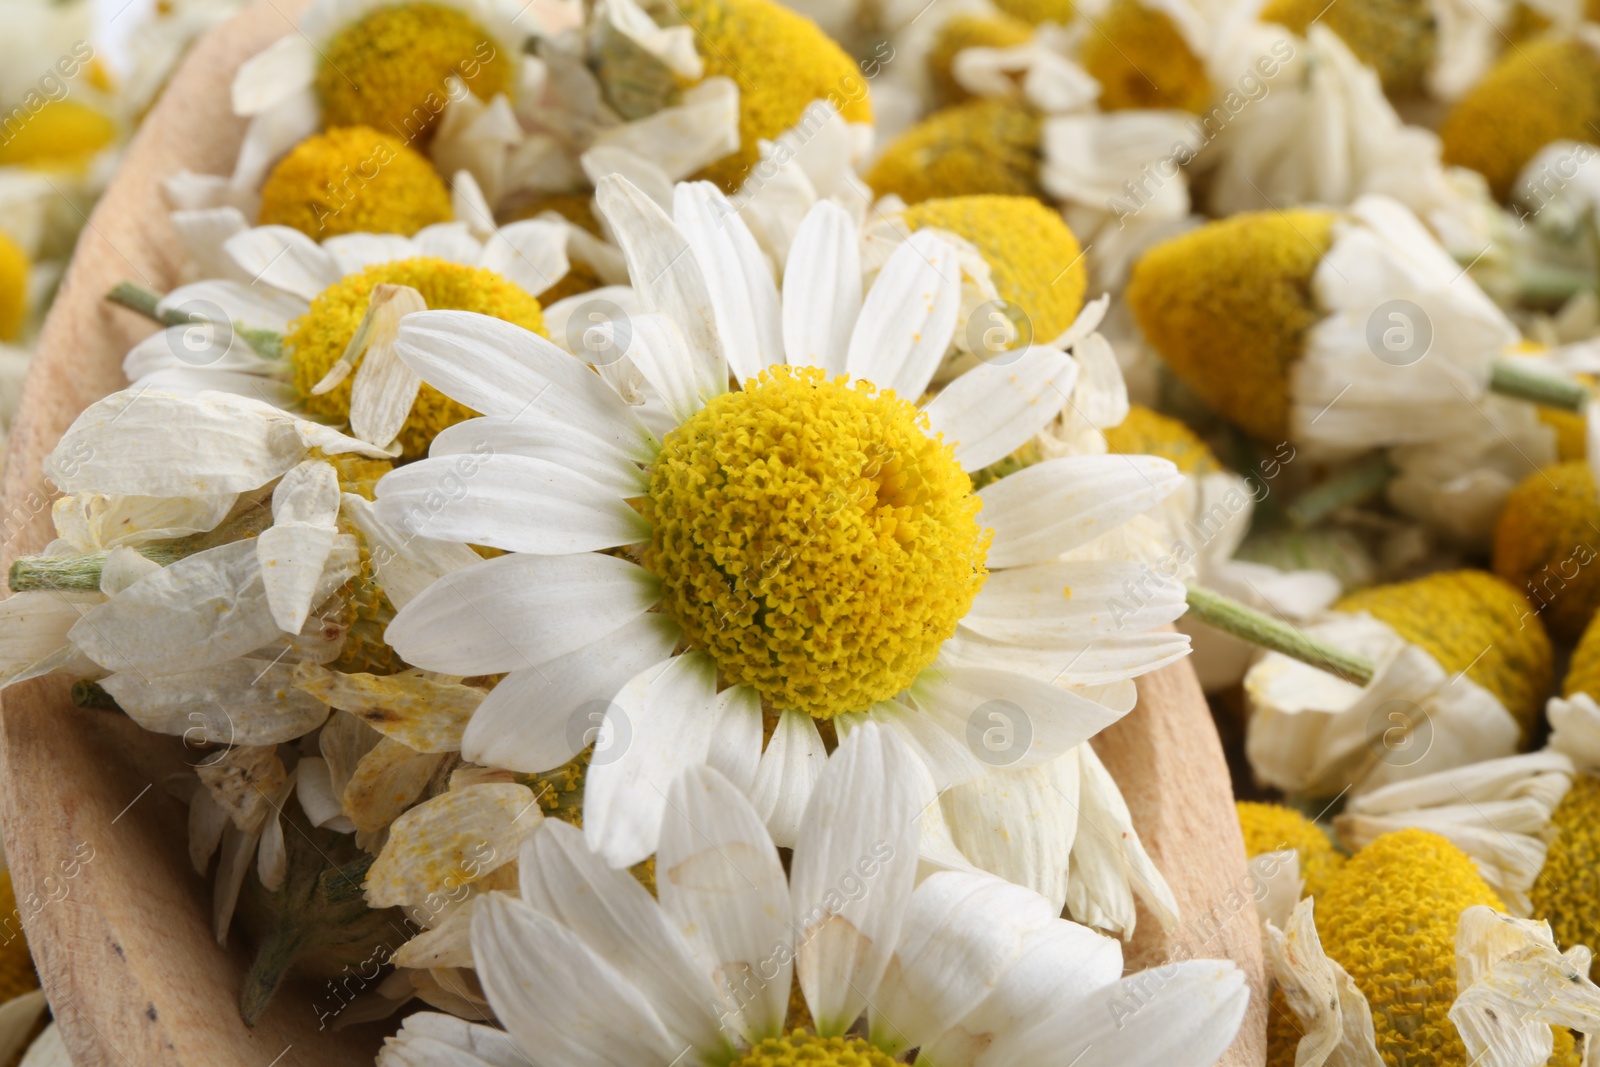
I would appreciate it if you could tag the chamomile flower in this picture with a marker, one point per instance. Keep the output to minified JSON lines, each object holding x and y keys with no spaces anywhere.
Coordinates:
{"x":583,"y":965}
{"x":1266,"y":316}
{"x":1148,"y":56}
{"x":798,"y":595}
{"x":1275,"y":828}
{"x":1543,"y":545}
{"x":307,"y":303}
{"x":1407,"y":958}
{"x":1463,"y":664}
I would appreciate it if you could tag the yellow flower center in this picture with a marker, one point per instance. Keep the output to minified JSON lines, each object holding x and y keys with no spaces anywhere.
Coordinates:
{"x":1275,"y":828}
{"x":1546,"y":542}
{"x":388,"y":69}
{"x":1228,"y":306}
{"x":781,"y":62}
{"x":1142,"y":61}
{"x":1035,"y":261}
{"x":1396,"y":38}
{"x":13,"y":288}
{"x":984,"y":146}
{"x":1061,"y":12}
{"x":1567,"y":891}
{"x":64,"y":135}
{"x":318,"y":338}
{"x":1472,"y":623}
{"x":353,"y":179}
{"x":1146,"y":432}
{"x":815,"y":539}
{"x":798,"y":1046}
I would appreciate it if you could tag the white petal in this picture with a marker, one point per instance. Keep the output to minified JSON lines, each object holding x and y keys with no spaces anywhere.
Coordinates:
{"x":531,"y":253}
{"x":540,"y":717}
{"x":684,"y":379}
{"x":267,"y":138}
{"x":242,"y":702}
{"x":33,"y":632}
{"x":1052,"y":507}
{"x":1016,"y":721}
{"x":908,"y":318}
{"x":995,"y":408}
{"x":736,"y":738}
{"x":498,"y":368}
{"x":557,"y":997}
{"x":721,"y":881}
{"x":567,"y":446}
{"x":737,"y":277}
{"x":285,"y":259}
{"x":510,"y":502}
{"x":451,"y":840}
{"x":295,"y":548}
{"x":432,"y":1039}
{"x":257,"y":306}
{"x":272,"y":859}
{"x":681,"y":138}
{"x":313,"y":788}
{"x":519,"y":611}
{"x":404,"y":564}
{"x":353,"y":253}
{"x":822,"y":289}
{"x":273,"y":74}
{"x":385,"y":388}
{"x":1109,"y":861}
{"x":788,"y":771}
{"x":852,"y":874}
{"x":660,"y":724}
{"x":1334,"y":1019}
{"x":1020,"y":824}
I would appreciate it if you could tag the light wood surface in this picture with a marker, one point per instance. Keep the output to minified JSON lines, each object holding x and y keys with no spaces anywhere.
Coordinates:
{"x":123,"y":944}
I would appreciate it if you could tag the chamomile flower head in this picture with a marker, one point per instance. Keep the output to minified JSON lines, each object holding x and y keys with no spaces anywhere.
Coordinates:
{"x":1545,"y":90}
{"x":1583,"y":670}
{"x":678,"y":579}
{"x":1268,"y":317}
{"x":288,"y":335}
{"x":1398,"y":39}
{"x":1034,"y":259}
{"x":353,"y":179}
{"x":1033,"y":12}
{"x":1462,"y":666}
{"x":558,"y":976}
{"x":65,"y":135}
{"x":969,"y":30}
{"x":984,"y":147}
{"x":1542,"y":545}
{"x":1275,"y":828}
{"x":1142,"y":59}
{"x":1566,"y":893}
{"x":14,"y":270}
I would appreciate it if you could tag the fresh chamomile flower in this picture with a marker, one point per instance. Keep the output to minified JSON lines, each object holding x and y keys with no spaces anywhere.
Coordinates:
{"x":1539,"y":92}
{"x":1462,"y":667}
{"x":1407,"y":958}
{"x":1205,"y":522}
{"x":842,"y":958}
{"x":1267,"y":316}
{"x":1543,"y":545}
{"x":312,"y":190}
{"x":311,"y":302}
{"x":710,"y":553}
{"x":1275,"y":828}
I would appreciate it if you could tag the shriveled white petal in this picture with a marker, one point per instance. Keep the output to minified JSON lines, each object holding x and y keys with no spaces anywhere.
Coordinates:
{"x":508,"y":501}
{"x":1334,"y":1018}
{"x":961,"y":933}
{"x":241,"y":702}
{"x":540,"y":717}
{"x":498,"y":368}
{"x":616,"y":918}
{"x":860,"y":829}
{"x":272,"y":856}
{"x":206,"y":820}
{"x":433,"y":1039}
{"x":591,"y":1014}
{"x":420,"y":713}
{"x":313,"y":788}
{"x":997,"y":407}
{"x":294,"y":549}
{"x":404,"y":564}
{"x":519,"y":611}
{"x":449,"y":944}
{"x":34,"y":629}
{"x":389,"y":778}
{"x":908,"y":317}
{"x":1020,"y":824}
{"x":788,"y":771}
{"x":1109,"y":860}
{"x":743,"y":294}
{"x":822,"y":289}
{"x":1575,"y":729}
{"x":94,"y":521}
{"x":1055,"y":506}
{"x":450,"y":841}
{"x":659,"y":723}
{"x":672,"y":45}
{"x":685,"y":137}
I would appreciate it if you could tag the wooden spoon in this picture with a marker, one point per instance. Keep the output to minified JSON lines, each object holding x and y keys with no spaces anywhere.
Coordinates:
{"x":119,"y":922}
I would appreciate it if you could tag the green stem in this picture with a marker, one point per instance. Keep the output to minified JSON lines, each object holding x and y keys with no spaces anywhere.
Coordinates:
{"x":1511,"y":377}
{"x":71,"y":573}
{"x":267,"y":344}
{"x":1547,"y":285}
{"x":1248,"y":624}
{"x":1351,"y":485}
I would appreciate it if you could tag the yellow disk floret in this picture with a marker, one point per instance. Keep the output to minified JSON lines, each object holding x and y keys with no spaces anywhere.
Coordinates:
{"x":1275,"y":828}
{"x":1390,"y":919}
{"x":1543,"y":91}
{"x":14,"y":268}
{"x":799,"y":1047}
{"x":1398,"y":39}
{"x":985,"y":146}
{"x":1470,"y":621}
{"x":388,"y":69}
{"x":354,"y":179}
{"x":318,"y":338}
{"x":1033,"y":12}
{"x":63,"y":135}
{"x":781,"y":62}
{"x":1583,"y":672}
{"x":1141,"y":61}
{"x":1546,"y":542}
{"x":17,"y":975}
{"x":1228,"y":306}
{"x":1150,"y":433}
{"x":1567,"y":892}
{"x":961,"y":32}
{"x":1034,"y":259}
{"x":814,"y":539}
